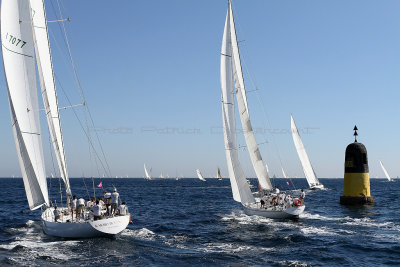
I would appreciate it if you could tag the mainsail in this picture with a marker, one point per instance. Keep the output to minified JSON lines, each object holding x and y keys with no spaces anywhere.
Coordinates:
{"x":19,"y":67}
{"x":200,"y":175}
{"x":385,"y":171}
{"x":301,"y":151}
{"x":240,"y":188}
{"x":252,"y":146}
{"x":48,"y":89}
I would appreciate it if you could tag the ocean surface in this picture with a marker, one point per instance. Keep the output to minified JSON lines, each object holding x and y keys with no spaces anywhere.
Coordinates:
{"x":189,"y":222}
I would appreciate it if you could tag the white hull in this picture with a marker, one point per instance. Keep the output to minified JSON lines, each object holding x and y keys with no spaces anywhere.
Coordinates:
{"x":289,"y":213}
{"x":83,"y":229}
{"x":319,"y":186}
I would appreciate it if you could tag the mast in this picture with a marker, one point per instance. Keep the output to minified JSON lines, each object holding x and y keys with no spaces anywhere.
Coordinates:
{"x":19,"y":69}
{"x":48,"y":88}
{"x":252,"y":146}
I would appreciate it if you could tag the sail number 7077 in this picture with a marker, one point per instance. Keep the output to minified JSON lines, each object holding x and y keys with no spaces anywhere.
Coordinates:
{"x":15,"y":41}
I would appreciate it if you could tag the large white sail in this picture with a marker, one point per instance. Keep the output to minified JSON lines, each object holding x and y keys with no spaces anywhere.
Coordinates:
{"x":19,"y":68}
{"x":308,"y":170}
{"x":48,"y":89}
{"x":244,"y":114}
{"x":148,"y":177}
{"x":385,"y":171}
{"x":200,"y":175}
{"x":240,"y":188}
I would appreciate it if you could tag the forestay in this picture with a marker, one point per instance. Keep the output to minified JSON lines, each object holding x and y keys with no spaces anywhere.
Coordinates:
{"x":301,"y":151}
{"x":19,"y":68}
{"x":48,"y":89}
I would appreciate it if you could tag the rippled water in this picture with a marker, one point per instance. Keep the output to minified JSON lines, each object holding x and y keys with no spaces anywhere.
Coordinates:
{"x":189,"y":222}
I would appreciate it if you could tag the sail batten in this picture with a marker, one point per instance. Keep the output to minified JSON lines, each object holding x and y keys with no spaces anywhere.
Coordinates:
{"x":308,"y":170}
{"x":19,"y":69}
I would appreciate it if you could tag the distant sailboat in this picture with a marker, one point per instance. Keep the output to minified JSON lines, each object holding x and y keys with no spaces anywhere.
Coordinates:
{"x":162,"y":176}
{"x":219,"y":177}
{"x":200,"y":175}
{"x":148,"y":176}
{"x":308,"y":170}
{"x":385,"y":171}
{"x":25,"y":49}
{"x":232,"y":83}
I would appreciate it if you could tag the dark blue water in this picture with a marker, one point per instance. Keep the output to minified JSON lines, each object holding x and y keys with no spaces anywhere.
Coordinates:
{"x":189,"y":222}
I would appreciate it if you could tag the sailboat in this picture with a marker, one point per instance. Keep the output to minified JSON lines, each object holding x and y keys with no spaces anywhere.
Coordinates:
{"x":24,"y":38}
{"x":308,"y":170}
{"x":219,"y":177}
{"x":200,"y":175}
{"x":232,"y":83}
{"x":385,"y":171}
{"x":148,"y":176}
{"x":162,"y":176}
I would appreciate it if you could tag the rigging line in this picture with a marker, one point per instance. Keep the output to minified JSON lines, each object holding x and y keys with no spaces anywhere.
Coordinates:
{"x":253,"y":81}
{"x":81,"y":125}
{"x":84,"y":182}
{"x":80,"y":91}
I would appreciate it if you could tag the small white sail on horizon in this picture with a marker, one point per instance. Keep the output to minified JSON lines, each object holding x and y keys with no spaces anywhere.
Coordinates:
{"x":385,"y":171}
{"x":219,"y":177}
{"x":148,"y":176}
{"x":308,"y":170}
{"x":200,"y":175}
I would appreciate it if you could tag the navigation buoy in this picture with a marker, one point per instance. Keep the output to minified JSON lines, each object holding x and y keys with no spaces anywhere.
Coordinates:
{"x":356,"y":188}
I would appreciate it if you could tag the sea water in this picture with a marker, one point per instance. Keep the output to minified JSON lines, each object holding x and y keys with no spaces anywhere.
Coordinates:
{"x":190,"y":222}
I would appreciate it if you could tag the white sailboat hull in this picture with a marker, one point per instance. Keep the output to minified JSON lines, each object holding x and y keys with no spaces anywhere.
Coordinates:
{"x":289,"y":213}
{"x":319,"y":186}
{"x":84,"y":229}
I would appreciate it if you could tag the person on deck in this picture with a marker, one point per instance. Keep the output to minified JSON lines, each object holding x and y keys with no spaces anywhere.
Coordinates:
{"x":277,"y":191}
{"x":263,"y":200}
{"x":57,"y":214}
{"x":89,"y":204}
{"x":80,"y":209}
{"x":123,"y":210}
{"x":97,"y":211}
{"x":107,"y":201}
{"x":114,"y":201}
{"x":73,"y":206}
{"x":302,"y":195}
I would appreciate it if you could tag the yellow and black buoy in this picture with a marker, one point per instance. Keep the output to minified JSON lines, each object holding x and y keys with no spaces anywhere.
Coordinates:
{"x":356,"y":189}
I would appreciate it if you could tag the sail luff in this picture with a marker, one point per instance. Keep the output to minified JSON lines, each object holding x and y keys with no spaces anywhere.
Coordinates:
{"x":48,"y":88}
{"x":385,"y":171}
{"x":253,"y":149}
{"x":301,"y":152}
{"x":19,"y":69}
{"x":240,"y":189}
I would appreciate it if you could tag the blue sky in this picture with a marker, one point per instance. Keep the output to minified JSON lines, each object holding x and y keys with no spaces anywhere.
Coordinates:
{"x":150,"y":72}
